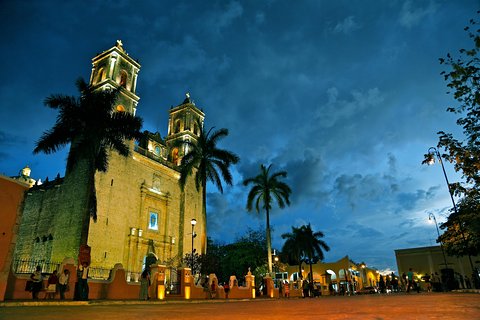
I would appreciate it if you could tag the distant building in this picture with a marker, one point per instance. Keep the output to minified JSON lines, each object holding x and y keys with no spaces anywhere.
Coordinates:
{"x":428,"y":260}
{"x":343,"y":275}
{"x":141,"y":208}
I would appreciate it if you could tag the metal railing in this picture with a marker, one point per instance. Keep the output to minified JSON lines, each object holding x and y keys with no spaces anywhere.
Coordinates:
{"x":152,"y":156}
{"x":28,"y":266}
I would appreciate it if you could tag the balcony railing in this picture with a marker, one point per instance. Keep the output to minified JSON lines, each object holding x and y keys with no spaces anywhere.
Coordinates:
{"x":153,"y":156}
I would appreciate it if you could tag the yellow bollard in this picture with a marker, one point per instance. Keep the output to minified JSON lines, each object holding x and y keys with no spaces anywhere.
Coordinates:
{"x":161,"y":285}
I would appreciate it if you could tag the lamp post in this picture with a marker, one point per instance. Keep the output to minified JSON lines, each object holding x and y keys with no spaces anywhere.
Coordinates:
{"x":430,"y":216}
{"x":193,"y":222}
{"x":364,"y":275}
{"x":432,"y":153}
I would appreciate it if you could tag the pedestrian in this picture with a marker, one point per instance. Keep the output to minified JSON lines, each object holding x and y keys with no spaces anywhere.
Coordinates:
{"x":305,"y":288}
{"x":404,"y":281}
{"x":382,"y":284}
{"x":63,"y":283}
{"x":37,"y":282}
{"x":410,"y":282}
{"x":226,"y":288}
{"x":428,"y":282}
{"x":51,"y":285}
{"x":468,"y":283}
{"x":287,"y":289}
{"x":82,"y":276}
{"x":213,"y":289}
{"x":144,"y":284}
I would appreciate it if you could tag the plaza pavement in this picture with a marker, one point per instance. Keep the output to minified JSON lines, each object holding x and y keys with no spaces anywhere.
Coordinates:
{"x":395,"y":306}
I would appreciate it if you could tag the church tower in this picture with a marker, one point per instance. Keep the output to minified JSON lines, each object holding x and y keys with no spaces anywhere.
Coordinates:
{"x":114,"y":68}
{"x":185,"y":123}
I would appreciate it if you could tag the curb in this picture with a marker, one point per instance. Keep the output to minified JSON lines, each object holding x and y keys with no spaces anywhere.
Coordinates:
{"x":118,"y":302}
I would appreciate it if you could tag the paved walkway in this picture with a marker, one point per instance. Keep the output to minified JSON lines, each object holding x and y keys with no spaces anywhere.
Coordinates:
{"x":401,"y":306}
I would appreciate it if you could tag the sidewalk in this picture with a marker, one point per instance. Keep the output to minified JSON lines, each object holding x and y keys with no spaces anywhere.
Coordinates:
{"x":49,"y":303}
{"x":46,"y":303}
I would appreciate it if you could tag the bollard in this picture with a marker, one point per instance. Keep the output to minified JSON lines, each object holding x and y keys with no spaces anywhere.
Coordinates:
{"x":161,"y":285}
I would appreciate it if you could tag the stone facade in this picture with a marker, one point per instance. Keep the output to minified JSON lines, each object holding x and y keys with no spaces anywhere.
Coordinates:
{"x":140,"y":206}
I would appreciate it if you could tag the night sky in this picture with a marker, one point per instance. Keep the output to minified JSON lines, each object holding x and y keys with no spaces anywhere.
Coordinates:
{"x":346,"y":96}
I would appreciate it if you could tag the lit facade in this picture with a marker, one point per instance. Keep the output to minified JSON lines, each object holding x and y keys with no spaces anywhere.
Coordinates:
{"x":141,"y":209}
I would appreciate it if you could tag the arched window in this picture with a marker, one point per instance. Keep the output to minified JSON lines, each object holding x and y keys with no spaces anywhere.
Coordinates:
{"x":175,"y":155}
{"x":101,"y":75}
{"x":123,"y":78}
{"x":157,"y":150}
{"x":120,"y":108}
{"x":177,"y":127}
{"x":195,"y":129}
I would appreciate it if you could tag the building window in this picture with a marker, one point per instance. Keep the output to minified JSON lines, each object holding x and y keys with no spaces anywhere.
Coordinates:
{"x":157,"y":150}
{"x":195,"y":129}
{"x":120,"y":108}
{"x":101,"y":75}
{"x":153,"y":221}
{"x":123,"y":78}
{"x":177,"y":127}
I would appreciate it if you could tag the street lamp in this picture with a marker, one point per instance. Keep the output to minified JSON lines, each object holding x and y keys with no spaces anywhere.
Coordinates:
{"x":430,"y":159}
{"x":364,"y":273}
{"x":430,"y":216}
{"x":276,"y":264}
{"x":193,"y":222}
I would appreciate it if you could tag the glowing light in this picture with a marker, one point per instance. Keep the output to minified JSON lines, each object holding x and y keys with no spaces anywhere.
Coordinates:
{"x":161,"y":292}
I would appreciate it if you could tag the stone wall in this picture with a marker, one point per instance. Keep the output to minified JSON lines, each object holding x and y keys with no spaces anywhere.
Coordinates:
{"x":127,"y":193}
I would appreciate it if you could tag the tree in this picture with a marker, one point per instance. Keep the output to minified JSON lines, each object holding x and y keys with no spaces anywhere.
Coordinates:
{"x":207,"y":160}
{"x":248,"y":251}
{"x":292,"y":248}
{"x":267,"y":187}
{"x":92,"y":128}
{"x":313,"y":247}
{"x":462,"y":235}
{"x":304,"y":245}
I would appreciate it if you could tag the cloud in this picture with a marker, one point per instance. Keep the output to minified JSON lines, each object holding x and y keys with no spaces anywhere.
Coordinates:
{"x":7,"y":139}
{"x":219,"y":19}
{"x":338,"y":110}
{"x":411,"y":16}
{"x":347,"y":26}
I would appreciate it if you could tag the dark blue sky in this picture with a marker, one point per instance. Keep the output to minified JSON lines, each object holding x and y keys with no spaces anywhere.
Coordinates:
{"x":346,"y":96}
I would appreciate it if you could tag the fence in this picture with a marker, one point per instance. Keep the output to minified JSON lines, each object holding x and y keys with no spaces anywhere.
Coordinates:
{"x":29,"y":266}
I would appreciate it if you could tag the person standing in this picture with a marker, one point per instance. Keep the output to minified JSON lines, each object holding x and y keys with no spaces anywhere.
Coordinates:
{"x":144,"y":284}
{"x":52,"y":285}
{"x":287,"y":289}
{"x":404,"y":281}
{"x":37,"y":282}
{"x":410,"y":283}
{"x":63,"y":283}
{"x":226,"y":288}
{"x":82,"y":275}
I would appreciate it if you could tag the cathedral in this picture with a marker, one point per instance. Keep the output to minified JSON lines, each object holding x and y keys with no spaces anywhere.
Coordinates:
{"x":141,"y":208}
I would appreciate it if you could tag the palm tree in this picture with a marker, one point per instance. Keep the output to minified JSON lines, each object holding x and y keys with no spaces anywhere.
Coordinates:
{"x":92,"y":128}
{"x":267,"y":187}
{"x":312,"y":246}
{"x":208,"y":160}
{"x":292,"y":248}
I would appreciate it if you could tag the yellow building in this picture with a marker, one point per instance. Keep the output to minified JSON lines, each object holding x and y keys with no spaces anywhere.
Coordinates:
{"x":141,"y":209}
{"x":341,"y":276}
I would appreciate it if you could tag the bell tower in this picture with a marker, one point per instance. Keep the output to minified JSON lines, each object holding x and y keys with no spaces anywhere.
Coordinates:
{"x":185,"y":123}
{"x":114,"y":68}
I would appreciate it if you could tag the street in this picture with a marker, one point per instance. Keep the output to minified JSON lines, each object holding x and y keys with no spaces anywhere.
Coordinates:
{"x":401,"y":306}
